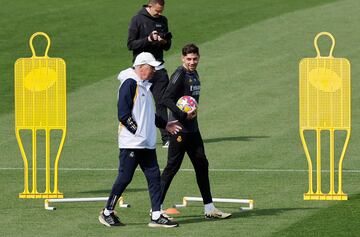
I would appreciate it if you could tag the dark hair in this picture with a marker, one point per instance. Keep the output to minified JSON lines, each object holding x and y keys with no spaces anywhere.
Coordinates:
{"x":160,"y":2}
{"x":190,"y":48}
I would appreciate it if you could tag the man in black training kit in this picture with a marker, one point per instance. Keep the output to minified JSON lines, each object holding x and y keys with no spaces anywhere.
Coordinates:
{"x":149,"y":32}
{"x":185,"y":81}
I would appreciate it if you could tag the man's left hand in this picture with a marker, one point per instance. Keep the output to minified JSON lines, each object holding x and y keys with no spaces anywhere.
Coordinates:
{"x":173,"y":127}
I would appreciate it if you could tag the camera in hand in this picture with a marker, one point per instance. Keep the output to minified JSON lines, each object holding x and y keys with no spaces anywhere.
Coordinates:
{"x":165,"y":36}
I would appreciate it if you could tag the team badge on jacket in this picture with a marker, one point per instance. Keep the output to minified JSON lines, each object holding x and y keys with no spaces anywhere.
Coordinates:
{"x":179,"y":139}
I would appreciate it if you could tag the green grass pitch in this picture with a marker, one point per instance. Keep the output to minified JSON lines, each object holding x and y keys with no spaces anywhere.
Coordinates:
{"x":248,"y":115}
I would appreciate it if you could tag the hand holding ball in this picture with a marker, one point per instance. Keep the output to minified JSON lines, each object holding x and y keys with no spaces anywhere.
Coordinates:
{"x":187,"y":103}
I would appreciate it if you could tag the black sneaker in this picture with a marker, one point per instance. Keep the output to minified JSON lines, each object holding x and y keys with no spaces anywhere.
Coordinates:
{"x":164,"y":214}
{"x":163,"y":222}
{"x":111,"y":220}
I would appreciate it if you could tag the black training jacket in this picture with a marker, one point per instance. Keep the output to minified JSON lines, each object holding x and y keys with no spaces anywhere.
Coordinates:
{"x":140,"y":27}
{"x":182,"y":82}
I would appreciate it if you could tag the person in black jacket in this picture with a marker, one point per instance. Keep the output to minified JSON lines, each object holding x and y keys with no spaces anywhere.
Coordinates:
{"x":185,"y":81}
{"x":149,"y":32}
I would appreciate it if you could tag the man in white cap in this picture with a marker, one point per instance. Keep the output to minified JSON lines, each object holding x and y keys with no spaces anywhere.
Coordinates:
{"x":137,"y":139}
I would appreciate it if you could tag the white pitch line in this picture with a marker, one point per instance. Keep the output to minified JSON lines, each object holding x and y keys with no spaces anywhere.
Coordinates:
{"x":191,"y":170}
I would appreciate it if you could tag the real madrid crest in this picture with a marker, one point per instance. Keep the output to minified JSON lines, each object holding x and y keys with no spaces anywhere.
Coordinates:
{"x":179,"y":139}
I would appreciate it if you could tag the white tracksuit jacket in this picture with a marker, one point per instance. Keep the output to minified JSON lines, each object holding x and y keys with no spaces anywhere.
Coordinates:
{"x":143,"y":112}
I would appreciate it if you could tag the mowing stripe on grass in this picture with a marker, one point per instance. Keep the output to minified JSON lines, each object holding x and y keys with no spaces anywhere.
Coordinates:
{"x":329,"y":221}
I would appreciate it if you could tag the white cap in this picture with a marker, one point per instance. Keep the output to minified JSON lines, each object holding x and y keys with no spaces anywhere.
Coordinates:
{"x":146,"y":58}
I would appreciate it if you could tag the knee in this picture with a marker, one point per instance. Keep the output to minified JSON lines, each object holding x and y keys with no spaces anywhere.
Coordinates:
{"x":154,"y":172}
{"x":202,"y":162}
{"x":153,"y":176}
{"x":206,"y":163}
{"x":122,"y":180}
{"x":171,"y":168}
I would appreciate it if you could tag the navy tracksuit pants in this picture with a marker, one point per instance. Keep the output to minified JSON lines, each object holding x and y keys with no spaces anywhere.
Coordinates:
{"x":129,"y":159}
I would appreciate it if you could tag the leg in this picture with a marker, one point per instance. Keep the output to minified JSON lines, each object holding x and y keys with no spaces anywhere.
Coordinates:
{"x":127,"y":168}
{"x":160,"y":81}
{"x":175,"y":157}
{"x":196,"y":152}
{"x":149,"y":165}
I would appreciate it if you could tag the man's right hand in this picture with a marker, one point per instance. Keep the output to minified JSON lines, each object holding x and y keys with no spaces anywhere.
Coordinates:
{"x":153,"y":36}
{"x":191,"y":114}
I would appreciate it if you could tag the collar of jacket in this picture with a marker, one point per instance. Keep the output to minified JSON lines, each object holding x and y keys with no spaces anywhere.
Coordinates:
{"x":130,"y":74}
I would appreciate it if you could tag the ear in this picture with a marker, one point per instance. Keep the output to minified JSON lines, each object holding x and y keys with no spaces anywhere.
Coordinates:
{"x":183,"y":58}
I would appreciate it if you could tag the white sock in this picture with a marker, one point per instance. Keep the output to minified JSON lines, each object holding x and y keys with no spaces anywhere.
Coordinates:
{"x":209,"y":207}
{"x":155,"y":215}
{"x":107,"y":212}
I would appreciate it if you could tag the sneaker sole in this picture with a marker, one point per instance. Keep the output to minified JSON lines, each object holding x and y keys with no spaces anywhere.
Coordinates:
{"x":158,"y":225}
{"x":102,"y":221}
{"x":217,"y":217}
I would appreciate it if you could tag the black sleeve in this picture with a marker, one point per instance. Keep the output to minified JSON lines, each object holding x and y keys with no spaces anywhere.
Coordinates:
{"x":134,"y":43}
{"x":174,"y":91}
{"x":160,"y":122}
{"x":166,"y":46}
{"x":125,"y":104}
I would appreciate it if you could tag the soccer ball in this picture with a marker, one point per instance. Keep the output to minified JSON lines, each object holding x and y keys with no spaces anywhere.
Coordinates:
{"x":186,"y":103}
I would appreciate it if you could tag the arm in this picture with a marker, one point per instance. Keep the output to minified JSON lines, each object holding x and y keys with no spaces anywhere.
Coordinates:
{"x":173,"y":127}
{"x":125,"y":104}
{"x":171,"y":95}
{"x":166,"y":46}
{"x":160,"y":122}
{"x":134,"y":43}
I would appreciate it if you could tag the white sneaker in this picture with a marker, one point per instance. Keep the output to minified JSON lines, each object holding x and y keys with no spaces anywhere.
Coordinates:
{"x":166,"y":144}
{"x":217,"y":214}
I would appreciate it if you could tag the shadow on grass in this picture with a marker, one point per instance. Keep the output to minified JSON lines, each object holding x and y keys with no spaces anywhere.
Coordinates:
{"x":107,"y":191}
{"x":269,"y":212}
{"x":245,"y":214}
{"x":239,"y":138}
